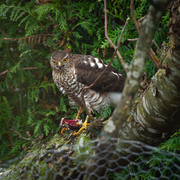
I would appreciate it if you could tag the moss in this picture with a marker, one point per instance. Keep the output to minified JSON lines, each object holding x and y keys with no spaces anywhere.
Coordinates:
{"x":33,"y":162}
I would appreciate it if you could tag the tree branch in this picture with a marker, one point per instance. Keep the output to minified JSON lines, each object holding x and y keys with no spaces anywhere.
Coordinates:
{"x":133,"y":16}
{"x":107,"y":37}
{"x":151,"y":52}
{"x":133,"y":39}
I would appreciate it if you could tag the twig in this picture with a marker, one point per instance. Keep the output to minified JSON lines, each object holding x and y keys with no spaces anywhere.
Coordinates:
{"x":154,"y":58}
{"x":133,"y":16}
{"x":3,"y":32}
{"x":130,"y":171}
{"x":22,"y":137}
{"x":157,"y":47}
{"x":10,"y":138}
{"x":37,"y":2}
{"x":141,"y":19}
{"x":4,"y":72}
{"x":107,"y":37}
{"x":122,"y":32}
{"x":151,"y":52}
{"x":43,"y":27}
{"x":132,"y":39}
{"x":40,"y":137}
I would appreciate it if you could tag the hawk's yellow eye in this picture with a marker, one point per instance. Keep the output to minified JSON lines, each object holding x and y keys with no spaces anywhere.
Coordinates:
{"x":54,"y":62}
{"x":65,"y":60}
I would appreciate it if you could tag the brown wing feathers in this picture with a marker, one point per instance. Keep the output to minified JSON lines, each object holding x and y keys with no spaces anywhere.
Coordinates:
{"x":89,"y":68}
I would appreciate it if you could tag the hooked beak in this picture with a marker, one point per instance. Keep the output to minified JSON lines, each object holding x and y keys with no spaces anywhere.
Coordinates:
{"x":59,"y":65}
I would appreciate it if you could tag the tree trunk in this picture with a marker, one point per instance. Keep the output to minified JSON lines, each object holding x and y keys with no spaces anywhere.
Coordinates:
{"x":156,"y":113}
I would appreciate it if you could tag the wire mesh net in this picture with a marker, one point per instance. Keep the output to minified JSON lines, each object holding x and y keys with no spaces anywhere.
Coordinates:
{"x":111,"y":159}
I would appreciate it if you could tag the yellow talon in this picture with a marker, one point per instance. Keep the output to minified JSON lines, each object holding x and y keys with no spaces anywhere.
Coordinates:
{"x":84,"y":126}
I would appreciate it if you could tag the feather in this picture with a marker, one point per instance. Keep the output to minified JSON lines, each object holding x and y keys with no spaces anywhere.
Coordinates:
{"x":90,"y":68}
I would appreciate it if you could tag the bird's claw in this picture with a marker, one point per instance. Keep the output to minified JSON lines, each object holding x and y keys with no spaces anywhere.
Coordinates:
{"x":84,"y":126}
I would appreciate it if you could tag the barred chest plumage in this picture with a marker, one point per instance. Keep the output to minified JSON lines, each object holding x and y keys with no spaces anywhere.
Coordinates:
{"x":66,"y":81}
{"x":68,"y":84}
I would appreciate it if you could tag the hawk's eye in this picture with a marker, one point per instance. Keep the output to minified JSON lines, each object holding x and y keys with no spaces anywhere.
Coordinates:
{"x":54,"y":62}
{"x":65,"y":60}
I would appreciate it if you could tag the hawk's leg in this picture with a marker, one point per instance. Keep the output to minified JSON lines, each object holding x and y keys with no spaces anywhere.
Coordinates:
{"x":84,"y":126}
{"x":79,"y":112}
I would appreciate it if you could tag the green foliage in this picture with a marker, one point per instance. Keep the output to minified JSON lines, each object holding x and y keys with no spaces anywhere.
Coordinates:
{"x":172,"y":144}
{"x":30,"y":32}
{"x":106,"y":112}
{"x":150,"y":69}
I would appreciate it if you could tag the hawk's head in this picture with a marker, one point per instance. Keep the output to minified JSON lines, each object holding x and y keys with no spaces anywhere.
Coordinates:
{"x":60,"y":60}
